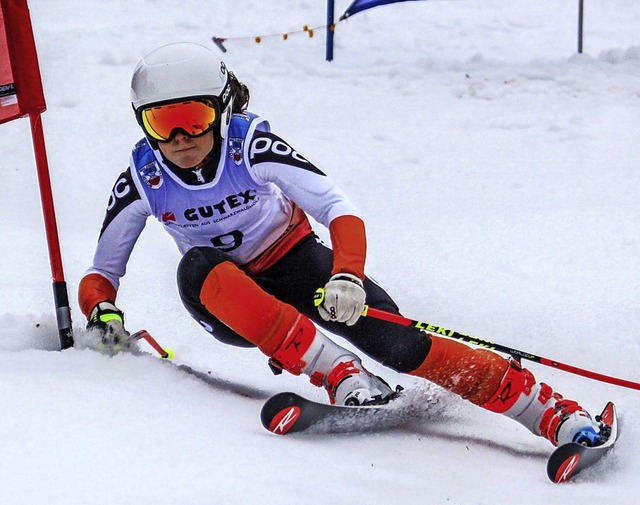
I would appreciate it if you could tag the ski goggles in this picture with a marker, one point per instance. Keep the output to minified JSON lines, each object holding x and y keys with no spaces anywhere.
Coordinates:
{"x":194,"y":116}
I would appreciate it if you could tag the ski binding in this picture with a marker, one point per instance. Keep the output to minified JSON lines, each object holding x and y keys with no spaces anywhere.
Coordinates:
{"x":569,"y":459}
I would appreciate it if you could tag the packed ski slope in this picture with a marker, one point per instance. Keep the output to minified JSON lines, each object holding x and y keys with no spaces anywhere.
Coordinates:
{"x":498,"y":173}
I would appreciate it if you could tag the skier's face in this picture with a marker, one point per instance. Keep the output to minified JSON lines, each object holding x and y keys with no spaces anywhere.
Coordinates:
{"x":185,"y":151}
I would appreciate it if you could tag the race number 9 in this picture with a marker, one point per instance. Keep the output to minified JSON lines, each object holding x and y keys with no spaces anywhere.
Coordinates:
{"x":229,"y":241}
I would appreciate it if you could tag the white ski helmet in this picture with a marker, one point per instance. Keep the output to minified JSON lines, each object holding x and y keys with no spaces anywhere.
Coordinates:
{"x":181,"y":70}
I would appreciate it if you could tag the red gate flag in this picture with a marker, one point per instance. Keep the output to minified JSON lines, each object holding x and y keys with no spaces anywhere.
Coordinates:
{"x":20,"y":85}
{"x":21,"y":95}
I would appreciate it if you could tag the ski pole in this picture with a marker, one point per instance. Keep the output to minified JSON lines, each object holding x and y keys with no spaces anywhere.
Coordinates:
{"x":165,"y":353}
{"x":516,"y":354}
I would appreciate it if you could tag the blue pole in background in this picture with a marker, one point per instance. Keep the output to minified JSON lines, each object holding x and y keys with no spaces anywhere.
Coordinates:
{"x":580,"y":22}
{"x":330,"y":16}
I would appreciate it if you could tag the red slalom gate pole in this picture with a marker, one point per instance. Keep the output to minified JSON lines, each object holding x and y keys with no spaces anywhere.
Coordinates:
{"x":439,"y":330}
{"x":60,"y":294}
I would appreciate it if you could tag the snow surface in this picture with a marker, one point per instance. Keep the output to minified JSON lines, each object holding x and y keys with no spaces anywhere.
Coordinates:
{"x":498,"y":173}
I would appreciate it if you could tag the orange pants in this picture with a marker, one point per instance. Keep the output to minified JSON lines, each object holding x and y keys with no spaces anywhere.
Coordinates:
{"x":271,"y":320}
{"x":474,"y":374}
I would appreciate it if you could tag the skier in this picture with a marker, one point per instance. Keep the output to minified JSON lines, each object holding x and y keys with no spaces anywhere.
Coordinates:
{"x":234,"y":197}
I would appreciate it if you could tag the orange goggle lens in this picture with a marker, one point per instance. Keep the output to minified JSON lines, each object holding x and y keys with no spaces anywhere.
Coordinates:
{"x":195,"y":117}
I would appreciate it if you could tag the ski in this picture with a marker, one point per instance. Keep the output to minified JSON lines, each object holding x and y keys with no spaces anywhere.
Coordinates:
{"x":289,"y":412}
{"x":569,"y":459}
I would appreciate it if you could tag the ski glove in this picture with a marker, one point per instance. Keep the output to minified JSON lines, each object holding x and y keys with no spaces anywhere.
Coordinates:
{"x":344,"y":299}
{"x":109,"y":321}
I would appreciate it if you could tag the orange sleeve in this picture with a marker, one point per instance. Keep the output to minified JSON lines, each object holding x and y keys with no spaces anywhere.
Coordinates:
{"x":93,"y":289}
{"x":349,"y":242}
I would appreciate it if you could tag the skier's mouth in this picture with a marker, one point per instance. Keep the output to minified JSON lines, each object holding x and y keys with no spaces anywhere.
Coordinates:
{"x":184,"y":149}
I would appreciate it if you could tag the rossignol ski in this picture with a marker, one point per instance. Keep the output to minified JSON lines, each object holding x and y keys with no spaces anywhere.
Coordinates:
{"x":291,"y":413}
{"x":569,"y":459}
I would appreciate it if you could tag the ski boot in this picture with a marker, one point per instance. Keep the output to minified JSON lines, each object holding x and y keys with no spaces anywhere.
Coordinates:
{"x":543,"y":411}
{"x":306,"y":350}
{"x":567,"y":422}
{"x":349,"y":383}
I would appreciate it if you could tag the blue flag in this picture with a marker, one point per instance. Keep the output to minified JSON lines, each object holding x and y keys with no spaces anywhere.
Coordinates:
{"x":362,"y":5}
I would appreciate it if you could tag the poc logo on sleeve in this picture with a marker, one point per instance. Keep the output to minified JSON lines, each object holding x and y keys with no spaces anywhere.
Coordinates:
{"x":268,"y":147}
